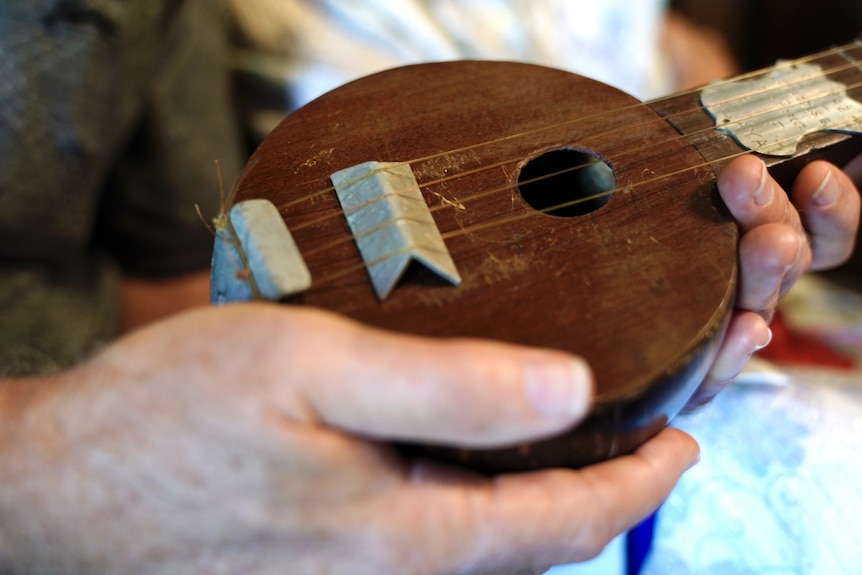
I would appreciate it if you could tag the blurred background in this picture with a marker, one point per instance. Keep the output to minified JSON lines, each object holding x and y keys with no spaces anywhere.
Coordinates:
{"x":762,"y":31}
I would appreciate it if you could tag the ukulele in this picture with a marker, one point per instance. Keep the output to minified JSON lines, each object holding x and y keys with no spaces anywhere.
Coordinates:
{"x":531,"y":205}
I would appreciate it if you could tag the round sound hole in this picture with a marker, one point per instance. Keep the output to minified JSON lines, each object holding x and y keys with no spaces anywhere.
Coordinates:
{"x":567,"y":182}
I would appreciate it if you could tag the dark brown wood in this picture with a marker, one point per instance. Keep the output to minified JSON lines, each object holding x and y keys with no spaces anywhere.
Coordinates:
{"x":641,"y":287}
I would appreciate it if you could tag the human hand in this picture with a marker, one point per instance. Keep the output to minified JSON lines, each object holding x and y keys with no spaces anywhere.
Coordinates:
{"x":781,"y":238}
{"x":254,"y":439}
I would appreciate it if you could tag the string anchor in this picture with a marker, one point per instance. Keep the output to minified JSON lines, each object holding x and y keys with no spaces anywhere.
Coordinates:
{"x":255,"y":256}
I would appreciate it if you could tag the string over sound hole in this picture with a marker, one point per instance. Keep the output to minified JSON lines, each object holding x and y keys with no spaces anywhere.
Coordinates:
{"x":566,"y":182}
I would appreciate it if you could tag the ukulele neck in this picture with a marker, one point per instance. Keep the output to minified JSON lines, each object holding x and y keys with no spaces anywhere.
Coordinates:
{"x":789,"y":114}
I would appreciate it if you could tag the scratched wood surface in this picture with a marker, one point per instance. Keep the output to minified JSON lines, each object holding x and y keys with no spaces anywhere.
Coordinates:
{"x":640,"y":287}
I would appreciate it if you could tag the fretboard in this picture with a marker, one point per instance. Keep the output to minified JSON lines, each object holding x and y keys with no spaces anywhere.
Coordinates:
{"x":790,"y":114}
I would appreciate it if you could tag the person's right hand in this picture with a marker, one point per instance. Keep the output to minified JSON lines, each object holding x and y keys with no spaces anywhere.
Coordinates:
{"x":254,"y":439}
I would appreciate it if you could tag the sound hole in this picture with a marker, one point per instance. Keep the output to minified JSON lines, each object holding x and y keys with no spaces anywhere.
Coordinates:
{"x":566,"y":182}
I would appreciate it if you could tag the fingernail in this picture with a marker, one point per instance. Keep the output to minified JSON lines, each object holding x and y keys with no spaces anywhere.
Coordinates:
{"x":558,"y":388}
{"x":765,"y":343}
{"x":826,"y":193}
{"x":763,"y":194}
{"x":694,"y":461}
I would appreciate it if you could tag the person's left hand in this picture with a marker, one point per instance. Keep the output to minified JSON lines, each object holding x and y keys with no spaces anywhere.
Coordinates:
{"x":782,"y":237}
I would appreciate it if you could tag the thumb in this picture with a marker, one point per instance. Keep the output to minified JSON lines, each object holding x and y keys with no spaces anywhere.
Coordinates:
{"x":409,"y":388}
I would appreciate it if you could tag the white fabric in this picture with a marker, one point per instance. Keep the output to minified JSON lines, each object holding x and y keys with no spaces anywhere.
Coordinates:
{"x":329,"y":42}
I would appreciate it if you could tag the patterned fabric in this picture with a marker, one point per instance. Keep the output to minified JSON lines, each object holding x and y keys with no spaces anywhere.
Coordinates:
{"x":779,"y":486}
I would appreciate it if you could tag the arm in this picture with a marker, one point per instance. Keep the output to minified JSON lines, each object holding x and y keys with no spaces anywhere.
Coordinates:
{"x":143,"y":301}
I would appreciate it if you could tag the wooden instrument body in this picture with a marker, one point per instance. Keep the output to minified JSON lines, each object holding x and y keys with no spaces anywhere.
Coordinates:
{"x":641,"y":287}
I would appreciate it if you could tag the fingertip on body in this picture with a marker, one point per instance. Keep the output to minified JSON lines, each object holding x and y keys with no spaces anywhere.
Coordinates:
{"x":558,"y":387}
{"x":678,"y":446}
{"x":744,"y":183}
{"x":666,"y":457}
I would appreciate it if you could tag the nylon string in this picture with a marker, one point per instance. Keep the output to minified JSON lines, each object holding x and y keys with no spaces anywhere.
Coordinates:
{"x":839,"y":51}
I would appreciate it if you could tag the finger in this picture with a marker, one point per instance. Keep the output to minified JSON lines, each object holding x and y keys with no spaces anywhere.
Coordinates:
{"x":394,"y":386}
{"x":854,"y":170}
{"x":628,"y":489}
{"x":559,"y":516}
{"x":771,"y":258}
{"x":747,"y":333}
{"x":829,"y":204}
{"x":753,"y":197}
